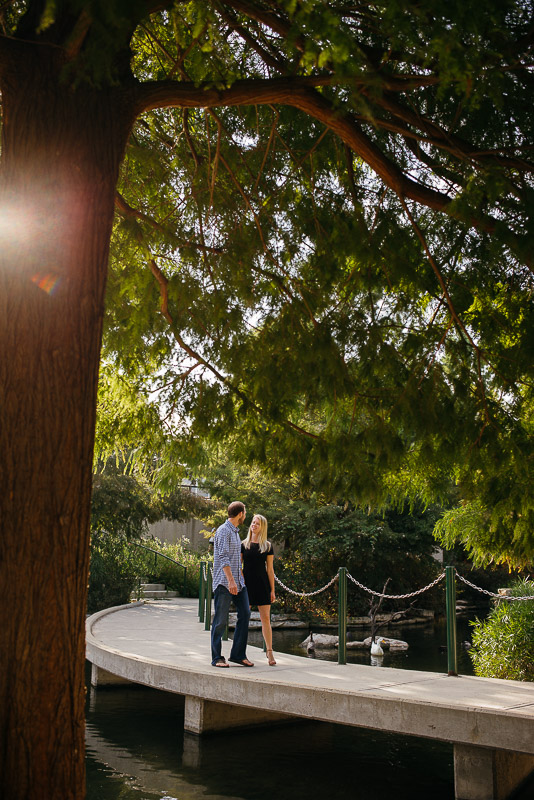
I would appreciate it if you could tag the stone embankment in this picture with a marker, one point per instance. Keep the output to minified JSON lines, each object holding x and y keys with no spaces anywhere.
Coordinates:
{"x":288,"y":621}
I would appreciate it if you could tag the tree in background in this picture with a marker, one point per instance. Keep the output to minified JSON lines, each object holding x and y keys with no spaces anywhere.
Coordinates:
{"x":374,"y":547}
{"x":469,"y":526}
{"x":122,"y":508}
{"x":316,"y":537}
{"x":332,"y":262}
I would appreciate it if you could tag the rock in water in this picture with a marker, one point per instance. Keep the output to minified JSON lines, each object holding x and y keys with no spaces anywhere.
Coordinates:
{"x":321,"y":641}
{"x":388,"y":644}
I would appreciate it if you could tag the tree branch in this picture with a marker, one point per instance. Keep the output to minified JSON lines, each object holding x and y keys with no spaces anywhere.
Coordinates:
{"x":295,"y":92}
{"x":163,"y":283}
{"x":77,"y":37}
{"x":126,"y":210}
{"x":164,"y":94}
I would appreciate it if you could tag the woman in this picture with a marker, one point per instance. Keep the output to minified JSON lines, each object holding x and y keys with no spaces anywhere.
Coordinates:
{"x":257,"y":555}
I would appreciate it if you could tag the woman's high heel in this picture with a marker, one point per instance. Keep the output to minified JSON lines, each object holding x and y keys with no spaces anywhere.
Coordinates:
{"x":272,"y":662}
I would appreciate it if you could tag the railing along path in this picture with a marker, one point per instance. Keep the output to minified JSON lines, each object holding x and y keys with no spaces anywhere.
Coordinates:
{"x":449,"y":573}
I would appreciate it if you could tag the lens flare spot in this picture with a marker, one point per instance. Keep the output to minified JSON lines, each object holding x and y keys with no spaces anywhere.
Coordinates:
{"x":47,"y":281}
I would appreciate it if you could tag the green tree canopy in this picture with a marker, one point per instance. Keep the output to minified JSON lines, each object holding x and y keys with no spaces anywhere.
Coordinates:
{"x":346,"y":295}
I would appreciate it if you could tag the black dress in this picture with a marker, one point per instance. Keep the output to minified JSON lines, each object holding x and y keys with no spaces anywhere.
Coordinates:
{"x":255,"y":574}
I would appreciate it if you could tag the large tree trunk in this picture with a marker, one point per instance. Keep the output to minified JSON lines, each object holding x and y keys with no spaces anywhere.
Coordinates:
{"x":60,"y":158}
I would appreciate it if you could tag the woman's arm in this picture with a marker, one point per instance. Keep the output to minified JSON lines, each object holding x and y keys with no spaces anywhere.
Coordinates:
{"x":270,"y":573}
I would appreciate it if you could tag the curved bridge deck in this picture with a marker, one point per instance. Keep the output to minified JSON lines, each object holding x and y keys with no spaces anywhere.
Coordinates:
{"x":162,"y":644}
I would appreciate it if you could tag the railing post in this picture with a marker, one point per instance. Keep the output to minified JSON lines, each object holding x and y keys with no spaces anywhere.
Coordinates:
{"x":185,"y":580}
{"x":201,"y":589}
{"x":207,"y":619}
{"x":342,"y":617}
{"x":450,"y":587}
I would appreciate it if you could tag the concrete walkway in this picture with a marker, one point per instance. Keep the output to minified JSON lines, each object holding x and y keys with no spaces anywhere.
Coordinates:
{"x":162,"y":644}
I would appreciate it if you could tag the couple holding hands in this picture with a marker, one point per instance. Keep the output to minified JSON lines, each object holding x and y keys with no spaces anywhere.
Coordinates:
{"x":243,"y":573}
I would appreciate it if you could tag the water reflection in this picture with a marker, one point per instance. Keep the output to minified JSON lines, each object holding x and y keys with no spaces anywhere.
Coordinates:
{"x":137,"y":751}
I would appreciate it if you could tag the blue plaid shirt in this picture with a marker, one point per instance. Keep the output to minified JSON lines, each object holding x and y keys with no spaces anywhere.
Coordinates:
{"x":227,"y":553}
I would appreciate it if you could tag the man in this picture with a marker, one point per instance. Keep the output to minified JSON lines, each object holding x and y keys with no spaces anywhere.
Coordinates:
{"x":229,"y":586}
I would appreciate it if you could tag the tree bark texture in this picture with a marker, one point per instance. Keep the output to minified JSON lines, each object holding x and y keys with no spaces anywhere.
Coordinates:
{"x":60,"y":158}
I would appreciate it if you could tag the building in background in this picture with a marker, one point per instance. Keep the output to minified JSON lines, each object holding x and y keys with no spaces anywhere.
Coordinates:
{"x":171,"y":531}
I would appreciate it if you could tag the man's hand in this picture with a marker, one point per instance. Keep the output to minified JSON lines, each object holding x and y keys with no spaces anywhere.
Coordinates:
{"x":232,"y":585}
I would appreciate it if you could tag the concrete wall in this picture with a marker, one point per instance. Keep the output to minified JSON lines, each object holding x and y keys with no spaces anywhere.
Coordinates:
{"x":167,"y":530}
{"x":170,"y":531}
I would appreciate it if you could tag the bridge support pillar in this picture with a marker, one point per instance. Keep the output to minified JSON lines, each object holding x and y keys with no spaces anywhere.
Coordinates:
{"x":101,"y":677}
{"x":485,"y":774}
{"x":202,"y":716}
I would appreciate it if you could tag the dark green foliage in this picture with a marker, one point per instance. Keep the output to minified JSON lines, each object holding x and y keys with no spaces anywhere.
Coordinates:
{"x":503,"y":644}
{"x":372,"y":547}
{"x":318,"y":537}
{"x":120,"y":510}
{"x":122,"y":507}
{"x":120,"y":504}
{"x":114,"y":573}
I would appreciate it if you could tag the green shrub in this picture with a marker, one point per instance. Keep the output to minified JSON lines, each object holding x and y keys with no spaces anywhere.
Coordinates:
{"x":155,"y":569}
{"x":503,"y":644}
{"x":114,"y":572}
{"x":373,"y":548}
{"x":305,"y":575}
{"x":122,"y":507}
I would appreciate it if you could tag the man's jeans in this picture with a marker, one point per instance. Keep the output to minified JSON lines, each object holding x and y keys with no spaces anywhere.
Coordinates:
{"x":223,"y":599}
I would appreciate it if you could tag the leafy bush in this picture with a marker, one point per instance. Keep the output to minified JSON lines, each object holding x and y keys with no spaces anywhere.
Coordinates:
{"x":120,"y":507}
{"x":503,"y":644}
{"x":114,"y":572}
{"x":304,"y":575}
{"x":155,"y":569}
{"x":373,"y":548}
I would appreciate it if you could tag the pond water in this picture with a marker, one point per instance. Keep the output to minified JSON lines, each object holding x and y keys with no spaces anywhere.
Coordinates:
{"x":137,"y":749}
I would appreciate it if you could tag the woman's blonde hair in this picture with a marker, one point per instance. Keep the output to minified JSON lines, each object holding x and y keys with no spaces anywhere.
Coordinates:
{"x":262,"y":536}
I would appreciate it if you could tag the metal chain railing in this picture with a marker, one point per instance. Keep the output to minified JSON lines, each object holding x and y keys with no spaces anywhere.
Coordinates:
{"x":450,"y":593}
{"x":306,"y":594}
{"x":396,"y":596}
{"x":493,"y":594}
{"x":361,"y":586}
{"x":383,"y":594}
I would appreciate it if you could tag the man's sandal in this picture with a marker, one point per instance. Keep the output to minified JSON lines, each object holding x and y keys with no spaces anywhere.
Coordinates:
{"x":221,"y":662}
{"x":244,"y":662}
